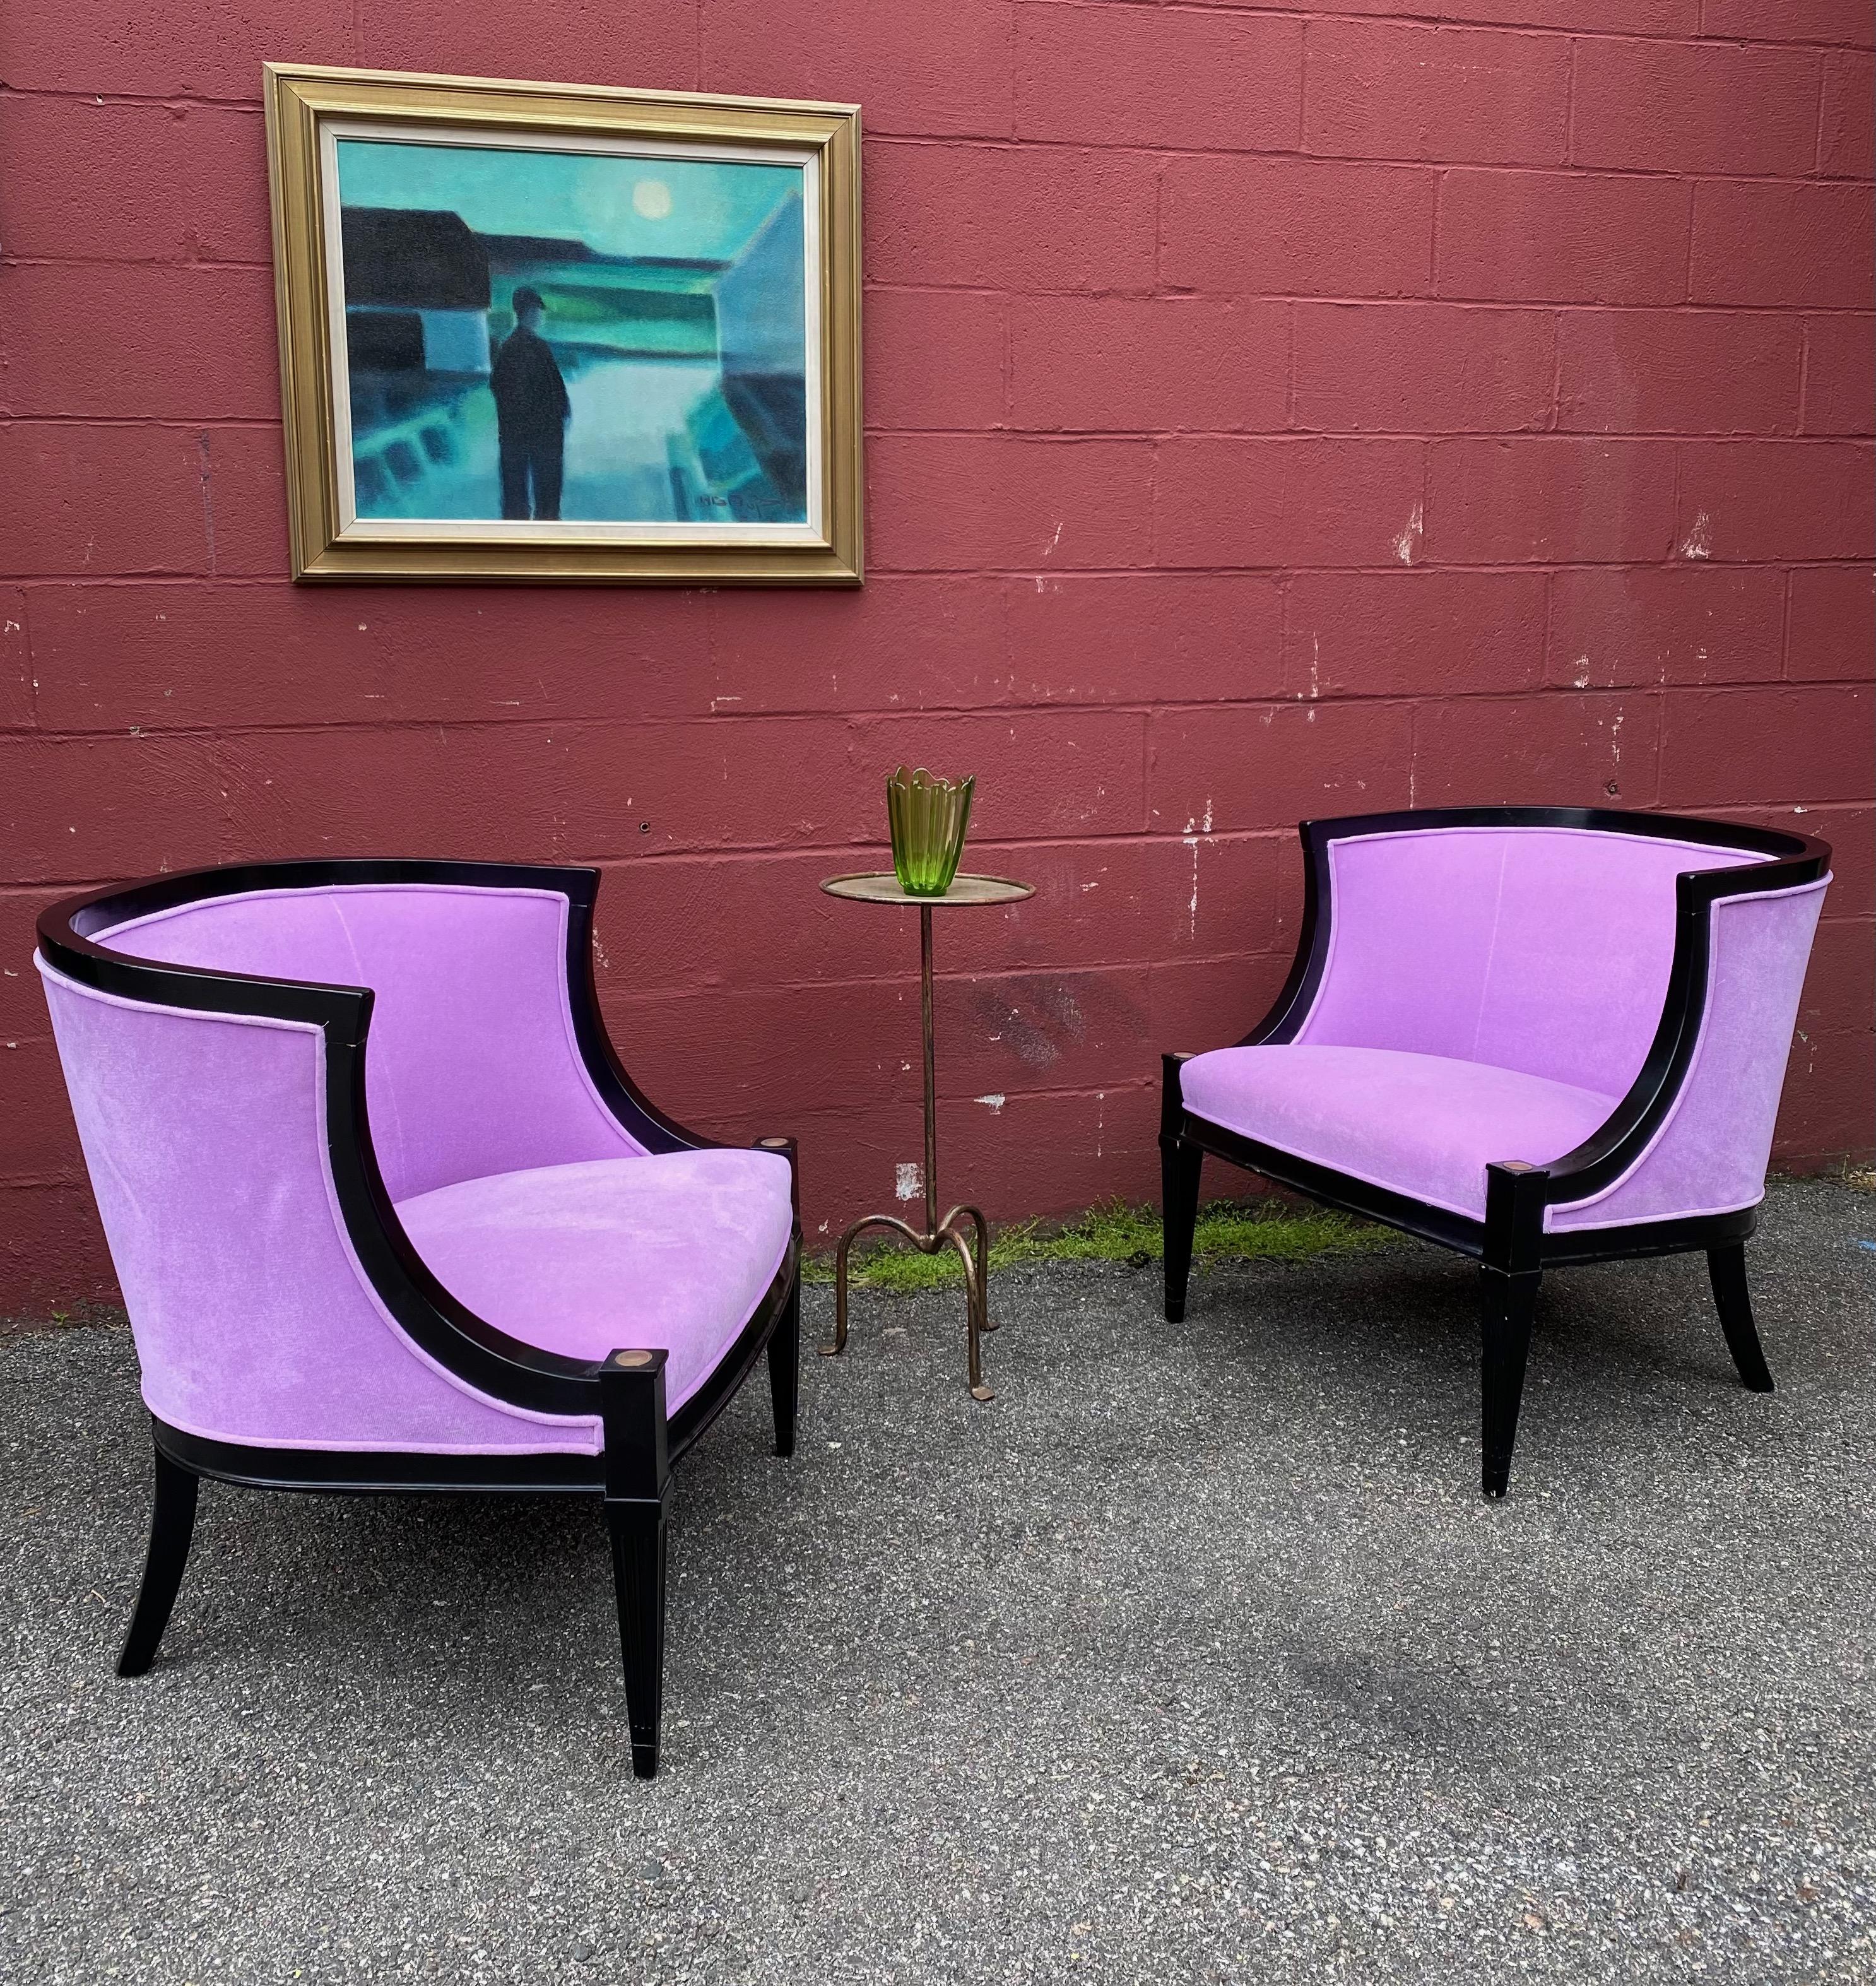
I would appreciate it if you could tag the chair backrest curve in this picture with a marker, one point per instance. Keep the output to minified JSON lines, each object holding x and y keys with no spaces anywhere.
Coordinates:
{"x":471,"y":1066}
{"x":1543,"y":949}
{"x":205,"y":1135}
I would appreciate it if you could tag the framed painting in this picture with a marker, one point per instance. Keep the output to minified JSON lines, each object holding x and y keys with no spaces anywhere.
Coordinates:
{"x":536,"y":331}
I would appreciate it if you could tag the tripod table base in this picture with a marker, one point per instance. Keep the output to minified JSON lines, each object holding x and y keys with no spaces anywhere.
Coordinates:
{"x":949,"y":1233}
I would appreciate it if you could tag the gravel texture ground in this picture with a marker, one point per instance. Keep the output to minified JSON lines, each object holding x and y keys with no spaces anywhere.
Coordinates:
{"x":1195,"y":1657}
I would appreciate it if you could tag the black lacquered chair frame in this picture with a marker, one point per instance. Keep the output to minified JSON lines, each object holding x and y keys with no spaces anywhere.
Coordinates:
{"x":625,"y":1390}
{"x":1512,"y":1244}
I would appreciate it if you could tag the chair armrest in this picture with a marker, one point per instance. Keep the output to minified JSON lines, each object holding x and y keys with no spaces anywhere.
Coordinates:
{"x":655,"y":1129}
{"x":1291,"y":1008}
{"x":1719,"y":1051}
{"x":448,"y":1330}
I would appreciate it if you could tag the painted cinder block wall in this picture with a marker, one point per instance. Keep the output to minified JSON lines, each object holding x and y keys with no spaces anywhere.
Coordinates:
{"x":1271,"y":410}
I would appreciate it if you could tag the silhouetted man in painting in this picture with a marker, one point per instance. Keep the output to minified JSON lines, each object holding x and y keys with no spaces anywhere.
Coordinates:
{"x":531,"y":413}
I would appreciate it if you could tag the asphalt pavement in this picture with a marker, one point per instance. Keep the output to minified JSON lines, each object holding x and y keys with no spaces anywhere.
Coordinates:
{"x":1195,"y":1656}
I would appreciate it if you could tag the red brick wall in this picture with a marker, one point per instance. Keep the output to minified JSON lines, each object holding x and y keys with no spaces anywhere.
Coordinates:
{"x":1273,"y":411}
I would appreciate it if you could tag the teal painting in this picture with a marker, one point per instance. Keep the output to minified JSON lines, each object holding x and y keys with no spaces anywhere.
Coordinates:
{"x":573,"y":336}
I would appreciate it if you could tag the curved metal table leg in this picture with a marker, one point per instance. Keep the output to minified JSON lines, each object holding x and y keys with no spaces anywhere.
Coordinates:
{"x":859,"y":1227}
{"x":973,"y":1313}
{"x":975,"y":1216}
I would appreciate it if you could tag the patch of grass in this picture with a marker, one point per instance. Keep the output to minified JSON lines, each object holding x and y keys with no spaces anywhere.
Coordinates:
{"x":1277,"y":1233}
{"x":1228,"y":1230}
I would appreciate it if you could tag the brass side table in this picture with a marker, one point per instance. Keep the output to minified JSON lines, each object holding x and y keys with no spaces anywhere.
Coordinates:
{"x":936,"y":1234}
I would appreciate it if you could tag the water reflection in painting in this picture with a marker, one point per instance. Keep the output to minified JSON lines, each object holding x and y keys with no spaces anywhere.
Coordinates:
{"x":574,"y":335}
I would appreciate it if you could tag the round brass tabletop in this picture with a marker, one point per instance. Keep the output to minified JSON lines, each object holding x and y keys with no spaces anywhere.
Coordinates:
{"x":964,"y":889}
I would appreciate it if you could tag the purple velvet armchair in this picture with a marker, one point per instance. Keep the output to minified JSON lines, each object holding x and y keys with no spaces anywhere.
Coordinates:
{"x":1536,"y":1035}
{"x":388,"y":1216}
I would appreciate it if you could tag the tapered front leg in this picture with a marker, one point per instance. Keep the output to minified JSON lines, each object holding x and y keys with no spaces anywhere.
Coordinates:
{"x":172,"y":1524}
{"x":1509,"y":1304}
{"x":1509,"y":1275}
{"x":1181,"y":1163}
{"x":637,"y":1484}
{"x":784,"y":1357}
{"x":637,"y":1530}
{"x":1727,"y":1267}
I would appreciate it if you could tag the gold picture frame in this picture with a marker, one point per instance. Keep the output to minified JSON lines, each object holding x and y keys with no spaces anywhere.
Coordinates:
{"x":400,"y":401}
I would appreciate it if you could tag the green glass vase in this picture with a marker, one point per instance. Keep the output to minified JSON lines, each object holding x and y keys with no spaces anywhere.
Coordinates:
{"x":928,"y":818}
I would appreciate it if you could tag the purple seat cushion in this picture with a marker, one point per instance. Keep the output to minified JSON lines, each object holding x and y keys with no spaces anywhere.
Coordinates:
{"x":1424,"y":1125}
{"x":673,"y":1249}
